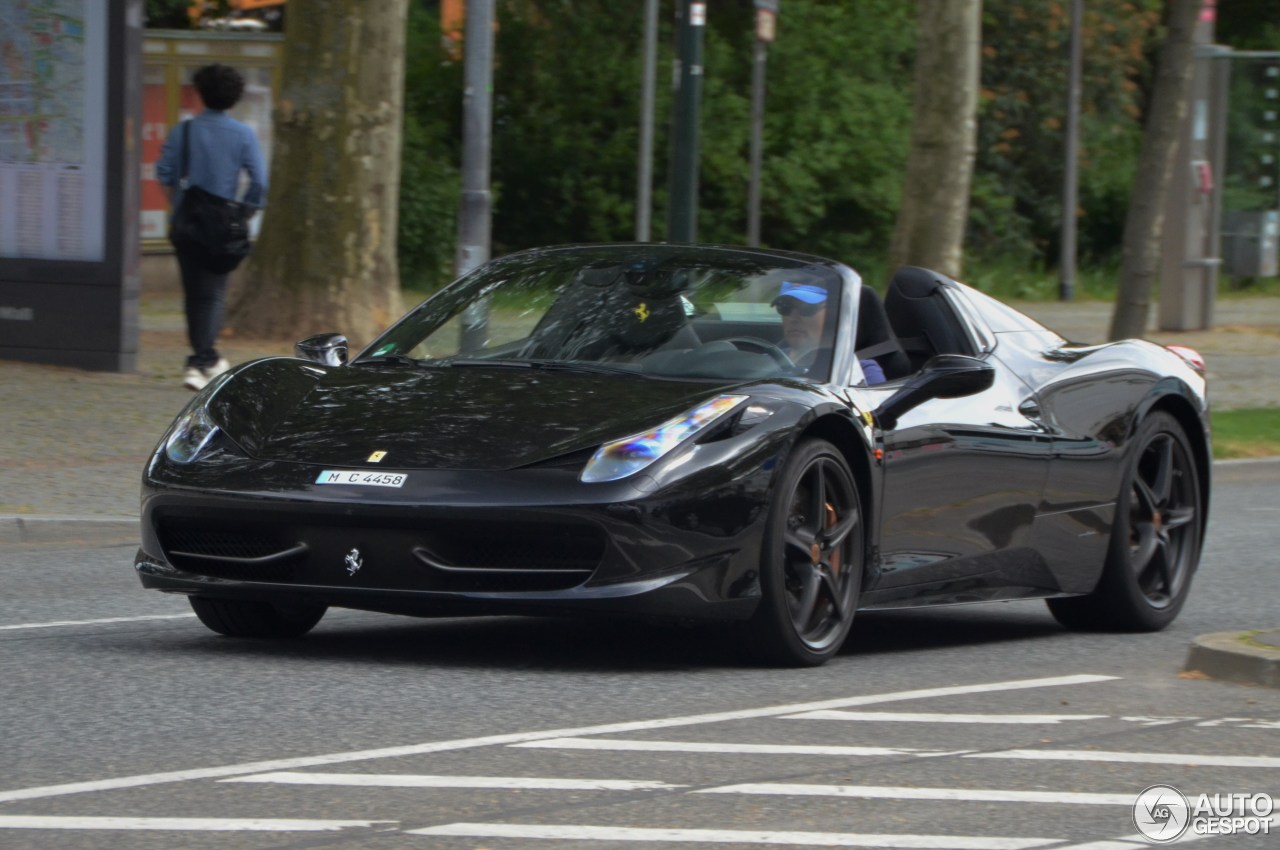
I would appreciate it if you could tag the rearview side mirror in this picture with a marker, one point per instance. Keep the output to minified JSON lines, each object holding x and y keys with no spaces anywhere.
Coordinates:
{"x":326,"y":349}
{"x":943,"y":376}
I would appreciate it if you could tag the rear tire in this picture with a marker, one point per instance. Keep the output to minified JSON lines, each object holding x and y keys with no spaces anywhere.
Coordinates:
{"x":1155,"y":539}
{"x":811,"y":564}
{"x":257,"y":619}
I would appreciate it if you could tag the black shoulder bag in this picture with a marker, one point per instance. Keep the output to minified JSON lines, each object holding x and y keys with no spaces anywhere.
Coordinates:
{"x":211,"y":229}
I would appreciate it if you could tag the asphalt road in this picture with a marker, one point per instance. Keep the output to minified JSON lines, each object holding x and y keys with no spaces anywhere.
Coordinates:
{"x":126,"y":724}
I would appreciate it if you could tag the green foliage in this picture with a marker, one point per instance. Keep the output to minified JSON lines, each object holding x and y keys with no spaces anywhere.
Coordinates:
{"x":1017,"y":207}
{"x":1012,"y":280}
{"x":837,"y":119}
{"x":168,"y":14}
{"x":1248,"y":24}
{"x":838,"y":116}
{"x":566,"y":114}
{"x":429,"y":179}
{"x":567,"y":123}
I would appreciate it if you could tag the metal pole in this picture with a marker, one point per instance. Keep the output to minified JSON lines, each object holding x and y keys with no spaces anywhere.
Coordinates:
{"x":682,"y":217}
{"x":757,"y":144}
{"x":477,"y":127}
{"x":644,"y":171}
{"x":1070,"y":178}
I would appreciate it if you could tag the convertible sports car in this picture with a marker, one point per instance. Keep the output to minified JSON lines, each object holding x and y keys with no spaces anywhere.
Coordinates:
{"x":746,"y":436}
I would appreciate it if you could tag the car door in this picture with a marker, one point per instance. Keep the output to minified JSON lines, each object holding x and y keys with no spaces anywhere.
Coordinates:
{"x":962,"y":482}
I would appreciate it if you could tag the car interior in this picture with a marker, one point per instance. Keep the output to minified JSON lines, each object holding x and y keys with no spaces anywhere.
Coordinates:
{"x":648,"y":325}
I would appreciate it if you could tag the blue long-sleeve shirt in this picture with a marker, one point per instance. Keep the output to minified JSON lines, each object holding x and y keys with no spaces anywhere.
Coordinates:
{"x":220,"y":148}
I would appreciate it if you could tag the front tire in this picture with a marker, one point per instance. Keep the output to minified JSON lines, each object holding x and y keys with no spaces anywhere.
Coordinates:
{"x":1155,"y":539}
{"x":811,"y":564}
{"x":257,"y":619}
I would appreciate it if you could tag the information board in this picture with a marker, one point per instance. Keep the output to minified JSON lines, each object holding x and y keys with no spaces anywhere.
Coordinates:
{"x":53,"y":107}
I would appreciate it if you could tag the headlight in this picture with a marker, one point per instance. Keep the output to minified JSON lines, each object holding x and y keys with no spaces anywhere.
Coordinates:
{"x":190,"y":436}
{"x":631,"y":454}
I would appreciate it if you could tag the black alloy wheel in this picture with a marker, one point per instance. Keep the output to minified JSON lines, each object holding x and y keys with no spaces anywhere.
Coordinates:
{"x":1155,"y":538}
{"x":811,"y":566}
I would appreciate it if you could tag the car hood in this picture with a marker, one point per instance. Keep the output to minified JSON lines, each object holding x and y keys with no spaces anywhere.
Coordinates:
{"x":462,"y":417}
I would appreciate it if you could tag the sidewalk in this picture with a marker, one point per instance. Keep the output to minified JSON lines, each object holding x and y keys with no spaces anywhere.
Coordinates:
{"x":73,"y":443}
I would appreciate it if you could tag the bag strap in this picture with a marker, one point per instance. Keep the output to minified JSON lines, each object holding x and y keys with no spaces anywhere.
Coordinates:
{"x":186,"y":153}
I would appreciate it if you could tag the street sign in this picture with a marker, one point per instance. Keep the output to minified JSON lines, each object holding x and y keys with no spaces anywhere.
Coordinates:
{"x":766,"y":25}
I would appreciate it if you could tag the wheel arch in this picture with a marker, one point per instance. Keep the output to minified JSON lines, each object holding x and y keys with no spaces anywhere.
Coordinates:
{"x":840,"y":431}
{"x":1182,"y":410}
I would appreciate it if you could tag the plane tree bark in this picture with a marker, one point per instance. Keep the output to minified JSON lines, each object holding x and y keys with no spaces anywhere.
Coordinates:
{"x":325,"y":259}
{"x":1144,"y":223}
{"x":935,"y":196}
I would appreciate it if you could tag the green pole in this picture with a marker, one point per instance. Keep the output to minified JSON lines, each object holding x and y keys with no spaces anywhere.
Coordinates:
{"x":682,"y":216}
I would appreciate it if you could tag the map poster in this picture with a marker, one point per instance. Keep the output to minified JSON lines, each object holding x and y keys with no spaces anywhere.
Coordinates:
{"x":53,"y":118}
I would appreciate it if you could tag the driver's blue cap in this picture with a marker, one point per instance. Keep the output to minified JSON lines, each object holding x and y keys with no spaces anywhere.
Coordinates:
{"x":802,"y":292}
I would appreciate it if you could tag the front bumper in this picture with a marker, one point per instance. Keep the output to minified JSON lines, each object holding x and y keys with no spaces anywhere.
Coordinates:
{"x":460,"y":543}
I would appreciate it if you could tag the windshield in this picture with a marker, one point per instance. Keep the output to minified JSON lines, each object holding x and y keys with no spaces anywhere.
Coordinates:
{"x":650,"y":310}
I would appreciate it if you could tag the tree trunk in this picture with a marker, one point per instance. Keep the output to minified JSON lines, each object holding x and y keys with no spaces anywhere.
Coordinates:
{"x":326,"y":256}
{"x":935,"y":198}
{"x":1144,"y":224}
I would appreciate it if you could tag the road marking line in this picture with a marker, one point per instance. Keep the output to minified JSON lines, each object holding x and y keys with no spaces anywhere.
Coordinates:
{"x":712,"y":747}
{"x":146,"y":779}
{"x":58,"y":623}
{"x":1187,"y":759}
{"x":186,"y":824}
{"x":399,"y":780}
{"x":1129,"y":842}
{"x":924,"y":717}
{"x":556,"y":832}
{"x":971,"y":795}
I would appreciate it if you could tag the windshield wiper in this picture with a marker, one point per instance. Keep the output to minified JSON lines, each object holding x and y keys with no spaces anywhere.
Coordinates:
{"x":547,"y":365}
{"x":388,"y":360}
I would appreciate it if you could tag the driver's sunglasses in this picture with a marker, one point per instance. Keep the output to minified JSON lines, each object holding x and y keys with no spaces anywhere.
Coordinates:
{"x":789,"y":305}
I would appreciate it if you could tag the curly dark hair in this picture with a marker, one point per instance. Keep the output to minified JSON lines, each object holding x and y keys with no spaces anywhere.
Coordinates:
{"x":220,"y":86}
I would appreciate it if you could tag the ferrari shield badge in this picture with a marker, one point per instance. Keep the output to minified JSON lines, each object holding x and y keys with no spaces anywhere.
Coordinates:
{"x":376,"y":457}
{"x":354,"y":562}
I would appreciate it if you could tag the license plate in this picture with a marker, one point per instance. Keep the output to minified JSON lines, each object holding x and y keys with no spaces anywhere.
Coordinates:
{"x":368,"y":479}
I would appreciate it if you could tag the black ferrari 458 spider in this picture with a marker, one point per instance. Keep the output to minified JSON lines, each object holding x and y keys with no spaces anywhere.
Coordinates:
{"x":746,"y":436}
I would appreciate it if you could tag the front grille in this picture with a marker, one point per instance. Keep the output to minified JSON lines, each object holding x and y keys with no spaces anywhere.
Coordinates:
{"x":405,"y":552}
{"x":239,"y":553}
{"x":550,"y":547}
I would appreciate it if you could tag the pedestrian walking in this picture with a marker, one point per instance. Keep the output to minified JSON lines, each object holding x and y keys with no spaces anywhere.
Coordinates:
{"x":210,"y":151}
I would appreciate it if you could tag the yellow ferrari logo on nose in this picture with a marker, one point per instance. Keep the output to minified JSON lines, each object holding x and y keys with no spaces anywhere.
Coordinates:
{"x":642,"y":311}
{"x":376,"y":457}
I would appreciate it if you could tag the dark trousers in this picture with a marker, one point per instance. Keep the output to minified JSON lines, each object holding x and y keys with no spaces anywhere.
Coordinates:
{"x":204,"y":300}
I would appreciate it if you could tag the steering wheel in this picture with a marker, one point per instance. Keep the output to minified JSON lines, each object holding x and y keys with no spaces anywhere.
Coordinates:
{"x":761,"y":346}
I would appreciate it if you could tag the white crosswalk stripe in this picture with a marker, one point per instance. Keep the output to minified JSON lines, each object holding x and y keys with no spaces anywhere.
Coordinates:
{"x":386,"y":780}
{"x":185,"y":824}
{"x":968,"y":795}
{"x":925,"y":717}
{"x":568,"y":832}
{"x":1188,"y":759}
{"x":621,"y":744}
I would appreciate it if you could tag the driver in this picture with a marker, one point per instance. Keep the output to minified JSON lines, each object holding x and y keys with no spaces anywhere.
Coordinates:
{"x":803,"y":308}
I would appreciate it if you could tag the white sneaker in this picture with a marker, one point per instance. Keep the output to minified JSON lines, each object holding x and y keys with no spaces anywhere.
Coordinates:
{"x":216,"y":369}
{"x":194,"y":379}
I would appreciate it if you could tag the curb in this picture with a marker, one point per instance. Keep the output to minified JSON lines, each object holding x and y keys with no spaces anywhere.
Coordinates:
{"x":1236,"y":657}
{"x":15,"y":529}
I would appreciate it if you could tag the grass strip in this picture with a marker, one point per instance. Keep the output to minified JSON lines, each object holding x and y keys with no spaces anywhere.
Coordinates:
{"x":1249,"y":432}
